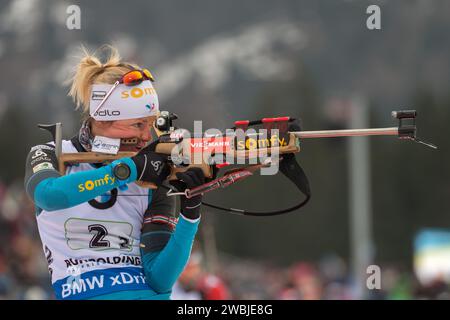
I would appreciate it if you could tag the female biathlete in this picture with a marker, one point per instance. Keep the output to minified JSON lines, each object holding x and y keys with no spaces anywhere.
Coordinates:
{"x":104,"y":236}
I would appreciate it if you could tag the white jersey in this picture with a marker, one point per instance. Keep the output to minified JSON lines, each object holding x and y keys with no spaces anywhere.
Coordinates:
{"x":94,"y":248}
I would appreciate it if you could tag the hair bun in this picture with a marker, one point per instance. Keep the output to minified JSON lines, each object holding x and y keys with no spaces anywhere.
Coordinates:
{"x":91,"y":69}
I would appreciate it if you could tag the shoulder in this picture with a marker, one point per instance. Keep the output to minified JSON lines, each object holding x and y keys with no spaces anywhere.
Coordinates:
{"x":43,"y":146}
{"x":67,"y":146}
{"x":41,"y":163}
{"x":40,"y":153}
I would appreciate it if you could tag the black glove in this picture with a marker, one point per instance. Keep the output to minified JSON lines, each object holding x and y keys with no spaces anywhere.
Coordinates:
{"x":151,"y":166}
{"x":193,"y":177}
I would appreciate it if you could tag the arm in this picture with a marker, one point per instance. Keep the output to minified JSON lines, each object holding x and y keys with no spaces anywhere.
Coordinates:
{"x":166,"y":248}
{"x":51,"y":191}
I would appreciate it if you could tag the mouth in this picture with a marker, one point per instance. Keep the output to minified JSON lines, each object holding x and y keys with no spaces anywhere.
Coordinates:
{"x":133,"y":148}
{"x":139,"y":146}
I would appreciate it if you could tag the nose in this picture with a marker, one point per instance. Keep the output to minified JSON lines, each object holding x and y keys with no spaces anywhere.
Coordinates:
{"x":146,"y":134}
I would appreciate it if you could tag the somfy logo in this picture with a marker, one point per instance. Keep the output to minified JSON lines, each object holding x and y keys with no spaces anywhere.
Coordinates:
{"x":156,"y":164}
{"x":91,"y":184}
{"x":137,"y":92}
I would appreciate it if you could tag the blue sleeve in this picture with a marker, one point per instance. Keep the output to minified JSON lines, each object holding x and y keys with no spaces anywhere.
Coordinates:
{"x":162,"y":268}
{"x":67,"y":191}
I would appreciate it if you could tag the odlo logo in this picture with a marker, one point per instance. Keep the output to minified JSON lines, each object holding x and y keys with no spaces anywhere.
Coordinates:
{"x":156,"y":164}
{"x":91,"y":184}
{"x":104,"y":113}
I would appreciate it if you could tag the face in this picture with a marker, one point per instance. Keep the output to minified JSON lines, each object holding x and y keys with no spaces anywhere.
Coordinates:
{"x":139,"y":128}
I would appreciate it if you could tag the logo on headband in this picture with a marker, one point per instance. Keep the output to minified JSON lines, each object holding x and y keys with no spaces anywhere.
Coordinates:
{"x":151,"y":108}
{"x":107,"y":113}
{"x":124,"y":102}
{"x":98,"y":95}
{"x":137,"y":92}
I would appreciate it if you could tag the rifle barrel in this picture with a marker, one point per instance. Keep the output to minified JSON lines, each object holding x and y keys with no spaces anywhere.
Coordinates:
{"x":393,"y":131}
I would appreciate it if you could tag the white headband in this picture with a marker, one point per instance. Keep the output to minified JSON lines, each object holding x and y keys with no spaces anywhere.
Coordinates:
{"x":125,"y":102}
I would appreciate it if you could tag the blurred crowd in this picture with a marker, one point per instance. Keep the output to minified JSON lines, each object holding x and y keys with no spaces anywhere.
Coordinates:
{"x":23,"y":268}
{"x":24,"y":273}
{"x":327,"y":279}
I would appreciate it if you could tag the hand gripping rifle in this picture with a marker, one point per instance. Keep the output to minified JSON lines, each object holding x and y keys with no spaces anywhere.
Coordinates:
{"x":277,"y":145}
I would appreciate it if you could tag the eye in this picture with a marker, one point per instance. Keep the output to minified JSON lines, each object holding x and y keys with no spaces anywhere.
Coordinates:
{"x":138,"y":125}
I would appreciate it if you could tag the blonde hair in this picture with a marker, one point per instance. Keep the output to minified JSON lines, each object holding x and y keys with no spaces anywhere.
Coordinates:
{"x":90,"y":70}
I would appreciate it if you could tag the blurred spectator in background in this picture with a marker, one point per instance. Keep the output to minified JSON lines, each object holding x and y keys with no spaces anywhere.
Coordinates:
{"x":23,"y":269}
{"x":195,"y":283}
{"x":24,"y":274}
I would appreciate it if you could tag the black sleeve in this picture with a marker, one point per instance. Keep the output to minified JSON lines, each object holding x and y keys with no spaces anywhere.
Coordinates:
{"x":159,"y":221}
{"x":41,"y":164}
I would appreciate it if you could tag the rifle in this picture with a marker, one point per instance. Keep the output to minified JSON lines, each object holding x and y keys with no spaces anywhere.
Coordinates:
{"x":241,"y":144}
